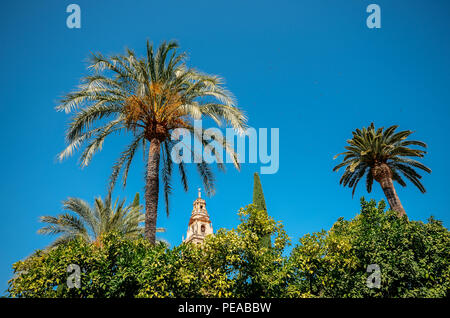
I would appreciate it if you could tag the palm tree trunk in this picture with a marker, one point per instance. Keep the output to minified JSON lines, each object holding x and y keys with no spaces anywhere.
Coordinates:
{"x":391,"y":195}
{"x":152,"y":190}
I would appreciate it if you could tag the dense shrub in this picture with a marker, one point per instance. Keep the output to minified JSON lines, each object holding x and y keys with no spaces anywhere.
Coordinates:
{"x":413,"y":258}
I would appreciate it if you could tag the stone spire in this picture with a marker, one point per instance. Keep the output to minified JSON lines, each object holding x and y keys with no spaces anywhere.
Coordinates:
{"x":199,"y":224}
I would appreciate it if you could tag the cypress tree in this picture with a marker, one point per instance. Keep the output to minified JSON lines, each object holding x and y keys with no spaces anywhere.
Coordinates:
{"x":260,"y":203}
{"x":258,"y":195}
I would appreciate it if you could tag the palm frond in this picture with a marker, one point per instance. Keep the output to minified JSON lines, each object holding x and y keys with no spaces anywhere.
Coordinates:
{"x":89,"y":223}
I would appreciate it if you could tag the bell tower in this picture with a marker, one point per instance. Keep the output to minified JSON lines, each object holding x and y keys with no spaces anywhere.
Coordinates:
{"x":199,"y":224}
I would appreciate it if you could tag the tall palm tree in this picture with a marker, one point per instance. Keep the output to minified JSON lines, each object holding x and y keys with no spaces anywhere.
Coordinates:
{"x":148,"y":97}
{"x":382,"y":155}
{"x":89,"y":223}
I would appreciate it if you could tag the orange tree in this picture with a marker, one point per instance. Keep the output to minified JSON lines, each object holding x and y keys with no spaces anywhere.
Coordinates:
{"x":412,"y":257}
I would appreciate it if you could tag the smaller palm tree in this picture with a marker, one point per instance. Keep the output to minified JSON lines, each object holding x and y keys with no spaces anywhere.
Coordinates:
{"x":89,"y":223}
{"x":382,"y":155}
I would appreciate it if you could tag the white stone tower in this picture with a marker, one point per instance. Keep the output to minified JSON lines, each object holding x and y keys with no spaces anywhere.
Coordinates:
{"x":199,"y":224}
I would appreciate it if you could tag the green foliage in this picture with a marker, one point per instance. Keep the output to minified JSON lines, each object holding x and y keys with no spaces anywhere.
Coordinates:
{"x":258,"y":195}
{"x":236,"y":263}
{"x":413,"y":258}
{"x":260,"y":203}
{"x":112,"y":268}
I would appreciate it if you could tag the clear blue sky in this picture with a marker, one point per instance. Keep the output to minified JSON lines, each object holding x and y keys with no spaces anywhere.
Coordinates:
{"x":311,"y":68}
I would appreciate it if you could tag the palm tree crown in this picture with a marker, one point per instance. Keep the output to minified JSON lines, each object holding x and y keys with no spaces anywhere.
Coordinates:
{"x":149,"y":97}
{"x":89,"y":223}
{"x":381,"y":155}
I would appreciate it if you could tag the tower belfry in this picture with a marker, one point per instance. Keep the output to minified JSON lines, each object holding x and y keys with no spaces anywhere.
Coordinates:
{"x":199,"y":224}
